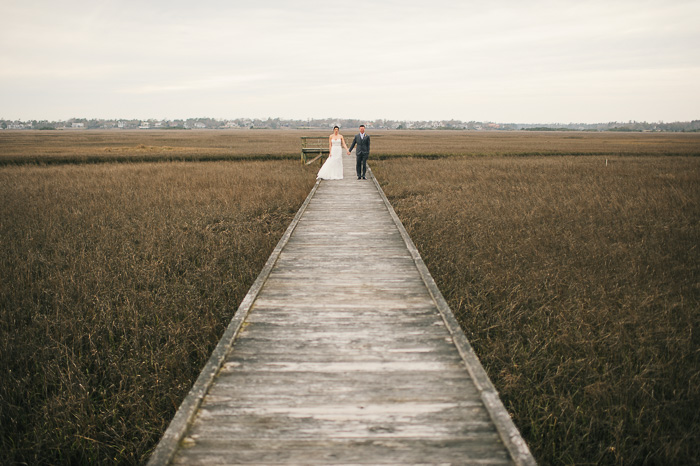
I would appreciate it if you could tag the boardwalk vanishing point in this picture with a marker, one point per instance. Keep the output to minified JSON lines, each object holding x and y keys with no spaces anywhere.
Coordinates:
{"x":343,"y":352}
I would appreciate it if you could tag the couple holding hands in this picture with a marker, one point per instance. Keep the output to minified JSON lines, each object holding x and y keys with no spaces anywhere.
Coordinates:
{"x":332,"y":169}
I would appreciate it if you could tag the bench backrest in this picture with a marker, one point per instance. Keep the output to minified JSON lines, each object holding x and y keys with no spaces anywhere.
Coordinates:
{"x":314,"y":142}
{"x":313,"y":145}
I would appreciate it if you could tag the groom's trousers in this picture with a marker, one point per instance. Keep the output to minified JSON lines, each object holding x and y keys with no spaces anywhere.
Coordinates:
{"x":361,"y":166}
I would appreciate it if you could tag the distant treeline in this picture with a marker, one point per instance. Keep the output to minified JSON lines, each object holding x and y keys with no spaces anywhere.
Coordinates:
{"x":326,"y":123}
{"x":546,"y":128}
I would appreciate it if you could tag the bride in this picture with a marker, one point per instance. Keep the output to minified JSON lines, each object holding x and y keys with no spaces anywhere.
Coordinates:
{"x":333,"y":168}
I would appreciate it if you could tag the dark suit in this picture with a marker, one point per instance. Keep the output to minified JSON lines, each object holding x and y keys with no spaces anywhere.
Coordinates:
{"x":362,"y":153}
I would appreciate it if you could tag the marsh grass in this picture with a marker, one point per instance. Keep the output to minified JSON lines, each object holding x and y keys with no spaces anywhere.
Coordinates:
{"x":578,"y":286}
{"x":21,"y":147}
{"x":525,"y":143}
{"x":60,"y":147}
{"x":577,"y":283}
{"x":117,"y":282}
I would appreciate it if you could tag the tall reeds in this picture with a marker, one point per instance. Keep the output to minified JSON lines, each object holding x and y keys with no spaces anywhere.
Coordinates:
{"x":117,"y":282}
{"x":578,"y":286}
{"x":93,"y":146}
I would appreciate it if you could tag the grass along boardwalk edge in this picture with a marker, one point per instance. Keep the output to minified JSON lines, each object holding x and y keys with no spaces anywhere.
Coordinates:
{"x":167,"y":446}
{"x":507,"y":430}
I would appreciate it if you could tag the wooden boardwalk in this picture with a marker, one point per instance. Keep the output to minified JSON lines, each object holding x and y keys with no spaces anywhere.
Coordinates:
{"x":343,"y":352}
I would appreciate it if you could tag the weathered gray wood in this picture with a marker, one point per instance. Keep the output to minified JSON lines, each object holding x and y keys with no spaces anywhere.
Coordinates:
{"x":347,"y":451}
{"x":313,"y":145}
{"x":346,"y":353}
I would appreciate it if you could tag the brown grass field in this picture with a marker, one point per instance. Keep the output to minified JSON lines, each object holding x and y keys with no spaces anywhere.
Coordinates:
{"x":47,"y":147}
{"x":117,"y":282}
{"x":577,"y":283}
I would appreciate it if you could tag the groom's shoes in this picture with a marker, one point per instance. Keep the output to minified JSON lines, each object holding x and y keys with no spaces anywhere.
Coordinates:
{"x":359,"y":177}
{"x":364,"y":178}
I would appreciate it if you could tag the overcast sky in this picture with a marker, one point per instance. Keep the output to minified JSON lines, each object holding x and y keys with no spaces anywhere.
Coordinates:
{"x":505,"y":61}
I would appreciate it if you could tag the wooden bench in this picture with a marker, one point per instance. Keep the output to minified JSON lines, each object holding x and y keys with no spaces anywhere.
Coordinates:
{"x":313,"y":146}
{"x":317,"y":147}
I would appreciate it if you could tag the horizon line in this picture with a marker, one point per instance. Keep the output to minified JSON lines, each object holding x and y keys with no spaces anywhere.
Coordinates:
{"x":301,"y":120}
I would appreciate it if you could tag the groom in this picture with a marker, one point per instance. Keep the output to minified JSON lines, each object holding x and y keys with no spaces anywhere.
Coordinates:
{"x":362,"y":141}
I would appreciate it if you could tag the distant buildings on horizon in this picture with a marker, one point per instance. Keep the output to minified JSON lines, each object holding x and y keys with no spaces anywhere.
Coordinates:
{"x":327,"y":123}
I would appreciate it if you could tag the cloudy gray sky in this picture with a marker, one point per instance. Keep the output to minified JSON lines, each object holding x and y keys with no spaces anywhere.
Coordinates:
{"x":505,"y":61}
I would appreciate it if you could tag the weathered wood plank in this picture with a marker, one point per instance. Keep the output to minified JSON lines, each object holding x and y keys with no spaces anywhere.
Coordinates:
{"x":364,"y":387}
{"x":346,"y":356}
{"x":279,"y":428}
{"x":346,"y":451}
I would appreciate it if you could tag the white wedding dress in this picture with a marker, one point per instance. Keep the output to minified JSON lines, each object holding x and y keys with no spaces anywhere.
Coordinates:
{"x":333,"y":168}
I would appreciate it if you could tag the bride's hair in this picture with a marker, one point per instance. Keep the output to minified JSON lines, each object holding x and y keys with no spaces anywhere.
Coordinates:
{"x":336,"y":126}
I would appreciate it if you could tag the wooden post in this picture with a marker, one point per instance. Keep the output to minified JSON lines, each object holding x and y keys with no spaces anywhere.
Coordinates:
{"x":313,"y":145}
